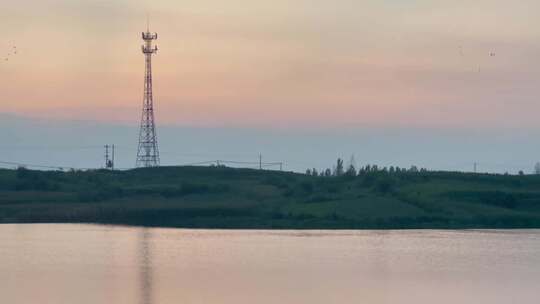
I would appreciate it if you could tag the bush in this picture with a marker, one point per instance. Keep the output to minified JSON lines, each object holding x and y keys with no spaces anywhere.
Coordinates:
{"x":30,"y":180}
{"x":318,"y":199}
{"x":385,"y":185}
{"x":494,"y":198}
{"x":368,"y":180}
{"x":307,"y":187}
{"x":190,"y":188}
{"x":96,"y":195}
{"x":276,"y":182}
{"x":499,"y":198}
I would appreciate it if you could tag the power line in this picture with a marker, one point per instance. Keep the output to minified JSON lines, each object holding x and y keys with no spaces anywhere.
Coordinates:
{"x":238,"y":162}
{"x":209,"y":162}
{"x":50,"y":147}
{"x":41,"y":166}
{"x":255,"y":165}
{"x":110,"y":163}
{"x":126,"y":148}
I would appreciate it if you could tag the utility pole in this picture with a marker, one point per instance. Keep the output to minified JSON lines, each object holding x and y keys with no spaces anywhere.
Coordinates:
{"x":112,"y":165}
{"x":106,"y":156}
{"x":109,"y":163}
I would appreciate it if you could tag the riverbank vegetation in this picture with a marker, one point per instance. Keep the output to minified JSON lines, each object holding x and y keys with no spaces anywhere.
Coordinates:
{"x":220,"y":197}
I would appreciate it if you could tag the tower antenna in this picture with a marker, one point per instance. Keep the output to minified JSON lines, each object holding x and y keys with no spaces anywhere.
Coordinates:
{"x":147,"y":152}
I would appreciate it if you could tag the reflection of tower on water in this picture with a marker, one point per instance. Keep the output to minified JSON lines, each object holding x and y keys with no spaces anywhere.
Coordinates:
{"x":145,"y":264}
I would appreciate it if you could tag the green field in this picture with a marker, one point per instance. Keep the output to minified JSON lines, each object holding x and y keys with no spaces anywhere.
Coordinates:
{"x":219,"y":197}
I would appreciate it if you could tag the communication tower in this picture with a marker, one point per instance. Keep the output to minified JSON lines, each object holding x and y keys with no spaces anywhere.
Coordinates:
{"x":148,"y":153}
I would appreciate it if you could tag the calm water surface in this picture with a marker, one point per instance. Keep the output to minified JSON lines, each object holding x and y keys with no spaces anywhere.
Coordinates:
{"x":60,"y":264}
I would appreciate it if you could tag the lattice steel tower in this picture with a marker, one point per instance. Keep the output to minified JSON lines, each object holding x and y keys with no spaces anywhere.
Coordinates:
{"x":148,"y":153}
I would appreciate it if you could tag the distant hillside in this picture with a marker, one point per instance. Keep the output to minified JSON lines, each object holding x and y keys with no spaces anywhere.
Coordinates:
{"x":215,"y":197}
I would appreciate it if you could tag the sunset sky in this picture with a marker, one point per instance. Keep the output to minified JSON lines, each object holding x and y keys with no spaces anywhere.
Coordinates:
{"x":440,"y":84}
{"x":303,"y":63}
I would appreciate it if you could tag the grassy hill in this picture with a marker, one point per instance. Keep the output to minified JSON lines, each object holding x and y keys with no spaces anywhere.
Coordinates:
{"x":207,"y":197}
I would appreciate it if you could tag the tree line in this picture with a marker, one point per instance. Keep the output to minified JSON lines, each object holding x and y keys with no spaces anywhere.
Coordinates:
{"x":339,"y":169}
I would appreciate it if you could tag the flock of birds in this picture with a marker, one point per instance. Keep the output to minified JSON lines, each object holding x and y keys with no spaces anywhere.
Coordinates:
{"x":462,"y":55}
{"x":12,"y":52}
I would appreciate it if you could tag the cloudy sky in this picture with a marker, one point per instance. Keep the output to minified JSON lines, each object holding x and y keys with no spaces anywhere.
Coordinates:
{"x":293,"y":65}
{"x":270,"y":63}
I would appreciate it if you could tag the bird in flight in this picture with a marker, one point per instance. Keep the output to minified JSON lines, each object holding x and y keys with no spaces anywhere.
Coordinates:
{"x":12,"y":52}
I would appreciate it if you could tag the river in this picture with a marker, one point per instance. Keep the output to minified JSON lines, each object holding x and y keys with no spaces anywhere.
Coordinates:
{"x":65,"y":263}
